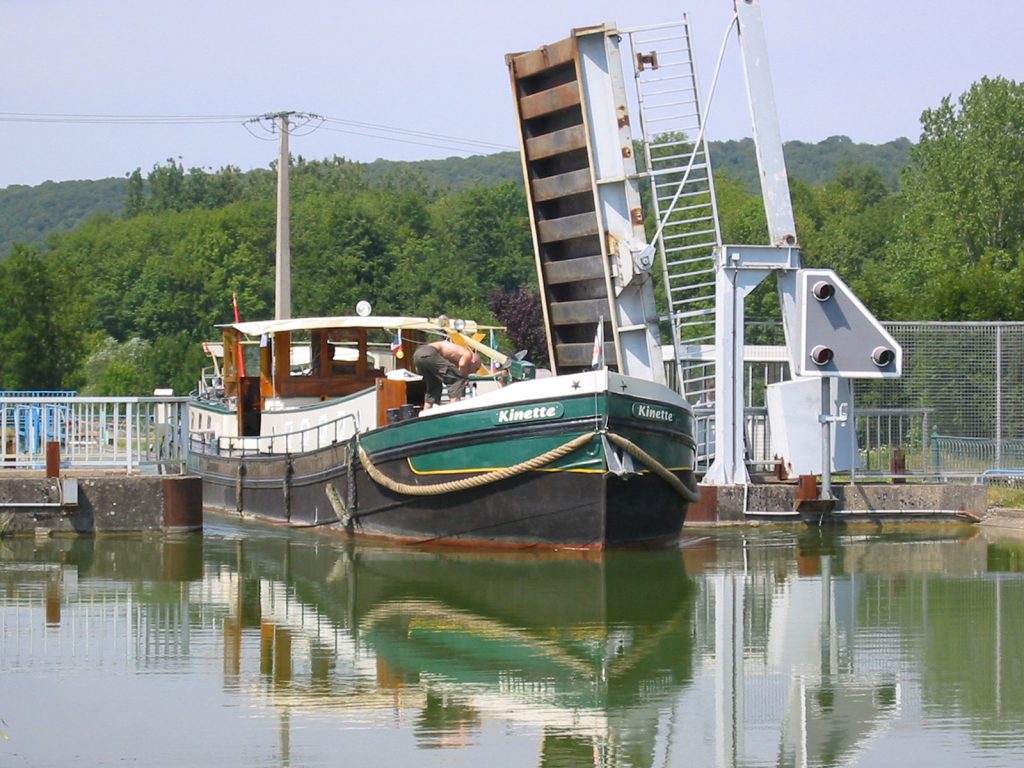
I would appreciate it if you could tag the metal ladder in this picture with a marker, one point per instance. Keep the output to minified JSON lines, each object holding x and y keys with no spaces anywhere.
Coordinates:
{"x":669,"y":107}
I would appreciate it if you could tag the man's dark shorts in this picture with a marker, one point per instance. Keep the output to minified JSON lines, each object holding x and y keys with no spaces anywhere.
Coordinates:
{"x":438,"y":371}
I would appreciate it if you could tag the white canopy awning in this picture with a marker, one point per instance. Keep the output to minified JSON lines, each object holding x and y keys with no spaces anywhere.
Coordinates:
{"x":393,"y":323}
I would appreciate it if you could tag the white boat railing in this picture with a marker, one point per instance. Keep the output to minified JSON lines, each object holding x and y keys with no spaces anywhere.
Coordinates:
{"x":130,"y":434}
{"x":303,"y":440}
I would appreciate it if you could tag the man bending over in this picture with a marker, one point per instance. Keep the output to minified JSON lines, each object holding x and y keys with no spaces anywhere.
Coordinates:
{"x":443,"y":363}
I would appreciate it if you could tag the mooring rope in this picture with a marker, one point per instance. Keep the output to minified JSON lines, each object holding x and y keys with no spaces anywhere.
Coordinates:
{"x":472,"y":482}
{"x":437,"y":489}
{"x":634,"y":450}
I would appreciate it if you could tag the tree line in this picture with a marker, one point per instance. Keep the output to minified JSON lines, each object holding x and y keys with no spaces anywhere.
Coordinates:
{"x":119,"y":304}
{"x":29,"y":214}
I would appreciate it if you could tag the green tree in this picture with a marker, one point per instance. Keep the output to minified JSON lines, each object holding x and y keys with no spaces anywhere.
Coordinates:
{"x":847,"y":225}
{"x":166,"y":187}
{"x":116,"y":369}
{"x":341,"y":252}
{"x":135,"y":194}
{"x":958,"y":254}
{"x":37,"y":351}
{"x":487,"y":230}
{"x":173,"y":362}
{"x":740,"y":212}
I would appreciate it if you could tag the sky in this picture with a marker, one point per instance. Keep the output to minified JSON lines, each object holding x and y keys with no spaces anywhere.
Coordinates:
{"x":413,"y":80}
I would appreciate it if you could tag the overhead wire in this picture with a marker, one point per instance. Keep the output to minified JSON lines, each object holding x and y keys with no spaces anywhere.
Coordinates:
{"x":104,"y":119}
{"x":449,"y":147}
{"x":299,"y":123}
{"x":267,"y":133}
{"x":334,"y":124}
{"x":304,"y":124}
{"x":410,"y":132}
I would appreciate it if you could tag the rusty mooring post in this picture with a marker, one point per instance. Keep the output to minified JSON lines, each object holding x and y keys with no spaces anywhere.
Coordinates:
{"x":806,"y":488}
{"x":53,"y":459}
{"x":898,"y":465}
{"x":183,"y":504}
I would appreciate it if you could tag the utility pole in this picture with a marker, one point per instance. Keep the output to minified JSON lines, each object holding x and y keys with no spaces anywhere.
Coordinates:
{"x":283,"y":259}
{"x":282,"y":122}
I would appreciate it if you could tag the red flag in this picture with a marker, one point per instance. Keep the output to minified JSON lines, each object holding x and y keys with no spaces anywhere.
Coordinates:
{"x":240,"y":353}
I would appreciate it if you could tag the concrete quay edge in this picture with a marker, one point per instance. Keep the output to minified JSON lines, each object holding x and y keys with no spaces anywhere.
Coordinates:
{"x":98,"y":503}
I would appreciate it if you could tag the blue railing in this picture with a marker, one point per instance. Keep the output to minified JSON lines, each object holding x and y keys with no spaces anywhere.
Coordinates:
{"x":38,"y":421}
{"x":121,"y":433}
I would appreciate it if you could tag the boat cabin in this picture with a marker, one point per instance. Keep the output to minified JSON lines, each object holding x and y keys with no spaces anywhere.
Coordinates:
{"x":285,"y":364}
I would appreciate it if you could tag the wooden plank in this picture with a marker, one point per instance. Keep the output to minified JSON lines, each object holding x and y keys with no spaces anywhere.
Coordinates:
{"x":552,"y":100}
{"x":583,"y":312}
{"x":562,"y":185}
{"x":556,"y":143}
{"x":574,"y":270}
{"x":282,"y":358}
{"x":577,"y":225}
{"x":581,"y":355}
{"x":327,"y":386}
{"x":550,"y":56}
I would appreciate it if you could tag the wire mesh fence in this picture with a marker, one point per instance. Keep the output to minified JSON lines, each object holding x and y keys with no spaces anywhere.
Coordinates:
{"x":969,"y":379}
{"x":956,"y":412}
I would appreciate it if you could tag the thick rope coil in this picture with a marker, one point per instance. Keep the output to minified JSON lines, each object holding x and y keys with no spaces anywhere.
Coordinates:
{"x":687,"y":492}
{"x":472,"y":482}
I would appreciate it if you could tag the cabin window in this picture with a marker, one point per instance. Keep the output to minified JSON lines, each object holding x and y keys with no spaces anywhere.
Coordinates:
{"x":251,"y":355}
{"x":322,"y":354}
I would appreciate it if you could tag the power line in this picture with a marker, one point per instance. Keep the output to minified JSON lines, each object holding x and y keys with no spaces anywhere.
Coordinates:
{"x":306,"y":120}
{"x":86,"y":119}
{"x":410,"y":132}
{"x":299,"y":123}
{"x":448,"y":147}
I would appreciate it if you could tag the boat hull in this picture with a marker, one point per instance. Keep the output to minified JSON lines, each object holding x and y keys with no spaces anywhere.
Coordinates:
{"x":284,"y":489}
{"x":541,"y":472}
{"x":555,"y":509}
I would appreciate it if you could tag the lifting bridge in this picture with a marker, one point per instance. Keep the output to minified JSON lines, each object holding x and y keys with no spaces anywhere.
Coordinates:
{"x":597,"y":263}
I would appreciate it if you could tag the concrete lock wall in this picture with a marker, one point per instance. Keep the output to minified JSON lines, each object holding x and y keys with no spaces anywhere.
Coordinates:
{"x":736,"y":504}
{"x":104,"y":505}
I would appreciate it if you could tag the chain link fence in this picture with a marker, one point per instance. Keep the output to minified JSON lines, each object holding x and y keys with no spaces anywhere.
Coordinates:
{"x":964,"y":385}
{"x":957,"y":411}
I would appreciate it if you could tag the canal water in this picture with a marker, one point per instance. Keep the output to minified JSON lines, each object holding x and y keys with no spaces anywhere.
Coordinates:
{"x":263,"y":647}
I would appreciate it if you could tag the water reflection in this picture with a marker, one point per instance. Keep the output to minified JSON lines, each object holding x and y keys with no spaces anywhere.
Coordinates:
{"x":813,"y":647}
{"x":826,"y":641}
{"x":587,"y":650}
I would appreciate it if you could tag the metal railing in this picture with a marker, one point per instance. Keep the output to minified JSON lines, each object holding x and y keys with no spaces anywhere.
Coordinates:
{"x":151,"y":434}
{"x":129,"y":433}
{"x":882,"y":434}
{"x":756,"y":435}
{"x":893,"y":441}
{"x":299,"y":441}
{"x":979,"y":457}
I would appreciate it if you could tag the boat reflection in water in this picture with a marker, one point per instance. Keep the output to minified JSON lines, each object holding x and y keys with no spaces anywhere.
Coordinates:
{"x":741,"y":648}
{"x":591,"y":650}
